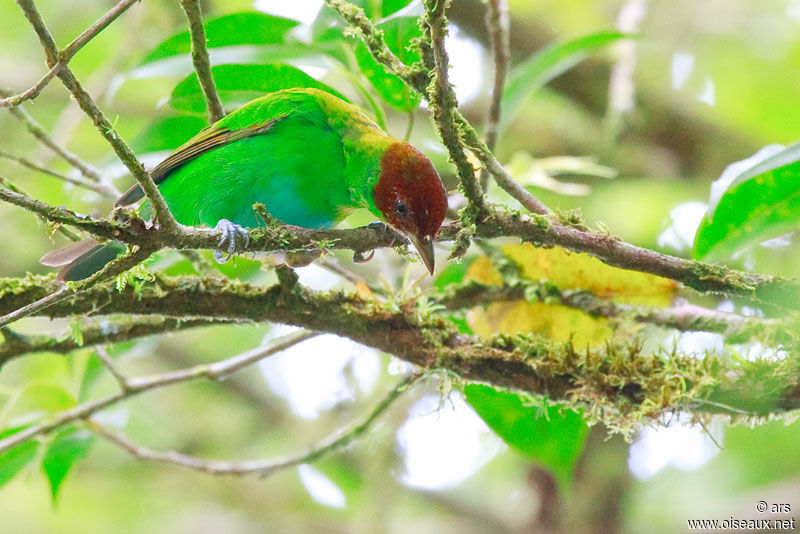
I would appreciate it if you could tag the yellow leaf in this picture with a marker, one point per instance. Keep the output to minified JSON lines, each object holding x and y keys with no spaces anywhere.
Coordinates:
{"x":553,"y":321}
{"x":566,"y":270}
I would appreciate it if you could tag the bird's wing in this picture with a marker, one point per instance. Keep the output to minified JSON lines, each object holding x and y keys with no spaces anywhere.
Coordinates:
{"x":208,"y":139}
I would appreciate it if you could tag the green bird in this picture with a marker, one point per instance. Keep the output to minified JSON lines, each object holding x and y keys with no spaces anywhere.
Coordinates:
{"x":309,"y":157}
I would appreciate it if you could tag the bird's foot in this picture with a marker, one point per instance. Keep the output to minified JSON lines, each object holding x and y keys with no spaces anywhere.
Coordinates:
{"x":228,"y":244}
{"x":378,"y":225}
{"x":360,"y":257}
{"x":397,"y":238}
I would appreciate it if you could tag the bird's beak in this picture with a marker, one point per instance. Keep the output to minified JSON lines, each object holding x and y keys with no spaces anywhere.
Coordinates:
{"x":424,"y":246}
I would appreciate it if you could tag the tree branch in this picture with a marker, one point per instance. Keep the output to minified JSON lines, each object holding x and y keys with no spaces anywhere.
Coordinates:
{"x":64,"y":291}
{"x":16,"y":344}
{"x":44,"y":170}
{"x":123,"y":151}
{"x":200,"y":60}
{"x":497,"y":22}
{"x":443,"y":104}
{"x":65,"y":55}
{"x":538,"y":229}
{"x":123,"y":226}
{"x":702,"y":277}
{"x":262,"y":468}
{"x":85,"y":168}
{"x":135,"y":386}
{"x":617,"y":382}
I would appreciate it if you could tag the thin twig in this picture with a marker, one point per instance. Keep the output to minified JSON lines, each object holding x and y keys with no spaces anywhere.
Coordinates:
{"x":37,"y":306}
{"x":114,"y":268}
{"x":200,"y":60}
{"x":6,"y":185}
{"x":85,"y":168}
{"x":102,"y":334}
{"x":500,"y":174}
{"x":213,"y":371}
{"x":65,"y":55}
{"x":119,"y":376}
{"x":497,"y":22}
{"x":44,"y":170}
{"x":87,"y":104}
{"x":621,"y":86}
{"x":262,"y":468}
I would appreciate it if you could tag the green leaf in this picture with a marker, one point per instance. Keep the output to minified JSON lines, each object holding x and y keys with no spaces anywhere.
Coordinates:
{"x":389,"y":7}
{"x":453,"y":273}
{"x":35,"y":401}
{"x":551,"y":435}
{"x":247,"y":28}
{"x":17,"y":457}
{"x":761,"y":203}
{"x":239,"y":268}
{"x":68,"y":446}
{"x":398,"y":32}
{"x":546,"y":64}
{"x":238,"y":84}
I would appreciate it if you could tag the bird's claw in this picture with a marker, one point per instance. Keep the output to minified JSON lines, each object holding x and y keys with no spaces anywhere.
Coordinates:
{"x":360,"y":257}
{"x":382,"y":227}
{"x":228,"y":244}
{"x":378,"y":225}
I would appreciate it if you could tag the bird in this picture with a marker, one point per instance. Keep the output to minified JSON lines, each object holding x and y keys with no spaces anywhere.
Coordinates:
{"x":308,"y":156}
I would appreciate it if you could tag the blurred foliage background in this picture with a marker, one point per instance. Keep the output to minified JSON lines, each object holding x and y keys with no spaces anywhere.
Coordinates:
{"x":712,"y":82}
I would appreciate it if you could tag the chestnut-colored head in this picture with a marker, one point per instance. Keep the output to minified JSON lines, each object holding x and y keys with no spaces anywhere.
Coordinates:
{"x":411,"y":197}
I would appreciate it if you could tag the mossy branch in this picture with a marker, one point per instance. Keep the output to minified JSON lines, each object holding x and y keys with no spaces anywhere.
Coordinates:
{"x":547,"y":230}
{"x":697,"y":275}
{"x":617,"y":383}
{"x":443,"y":105}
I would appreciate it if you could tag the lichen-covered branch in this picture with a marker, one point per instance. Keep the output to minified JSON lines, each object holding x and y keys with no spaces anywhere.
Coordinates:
{"x":123,"y":226}
{"x":616,"y":383}
{"x":443,"y":104}
{"x":63,"y":291}
{"x":537,"y":229}
{"x":268,"y":467}
{"x":200,"y":60}
{"x":702,"y":277}
{"x":87,"y":104}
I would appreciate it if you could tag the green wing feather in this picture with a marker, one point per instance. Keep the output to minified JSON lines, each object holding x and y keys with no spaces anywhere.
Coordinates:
{"x":208,"y":139}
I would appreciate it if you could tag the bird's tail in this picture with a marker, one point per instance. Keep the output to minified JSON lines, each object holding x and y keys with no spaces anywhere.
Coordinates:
{"x":83,"y":259}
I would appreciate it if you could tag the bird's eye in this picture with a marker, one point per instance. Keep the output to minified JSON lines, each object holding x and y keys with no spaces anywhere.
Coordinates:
{"x":400,"y":207}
